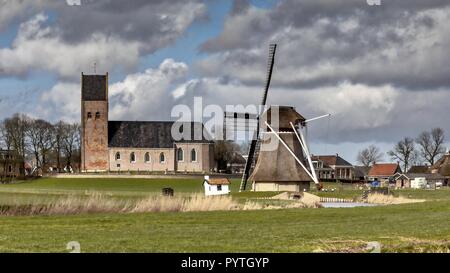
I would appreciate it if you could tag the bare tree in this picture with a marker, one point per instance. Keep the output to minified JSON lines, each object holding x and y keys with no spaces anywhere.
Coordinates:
{"x":40,"y":135}
{"x":71,"y":141}
{"x":369,"y":156}
{"x":431,"y":144}
{"x":404,"y":151}
{"x":5,"y":136}
{"x":60,"y":131}
{"x":33,"y":137}
{"x":224,"y":152}
{"x":5,"y":142}
{"x":14,"y":131}
{"x":244,"y":147}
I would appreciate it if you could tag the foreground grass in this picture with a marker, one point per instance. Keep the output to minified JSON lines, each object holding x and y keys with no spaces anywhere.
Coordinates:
{"x":410,"y":227}
{"x":421,"y":227}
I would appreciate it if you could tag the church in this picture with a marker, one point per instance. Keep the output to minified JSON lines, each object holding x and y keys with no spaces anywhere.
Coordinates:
{"x":147,"y":146}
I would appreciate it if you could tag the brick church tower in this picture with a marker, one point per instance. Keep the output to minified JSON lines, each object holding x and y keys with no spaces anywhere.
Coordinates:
{"x":94,"y":123}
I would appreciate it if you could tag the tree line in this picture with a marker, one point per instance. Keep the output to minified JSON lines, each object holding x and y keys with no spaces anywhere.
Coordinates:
{"x":44,"y":143}
{"x":426,"y":148}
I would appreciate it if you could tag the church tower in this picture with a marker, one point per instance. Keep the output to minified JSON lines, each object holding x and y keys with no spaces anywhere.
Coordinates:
{"x":94,"y":123}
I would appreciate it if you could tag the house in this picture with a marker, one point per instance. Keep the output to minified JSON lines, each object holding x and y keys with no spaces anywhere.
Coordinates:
{"x":11,"y":166}
{"x":383,"y":172}
{"x":216,"y":186}
{"x":419,"y":169}
{"x":361,"y":172}
{"x":418,"y":180}
{"x":402,"y":181}
{"x":442,"y":167}
{"x":332,"y":167}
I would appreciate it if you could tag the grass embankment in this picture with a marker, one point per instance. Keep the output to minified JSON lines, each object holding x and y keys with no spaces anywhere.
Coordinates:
{"x":410,"y":227}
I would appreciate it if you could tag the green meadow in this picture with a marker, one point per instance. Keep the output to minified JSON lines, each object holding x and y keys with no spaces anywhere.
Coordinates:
{"x":415,"y":227}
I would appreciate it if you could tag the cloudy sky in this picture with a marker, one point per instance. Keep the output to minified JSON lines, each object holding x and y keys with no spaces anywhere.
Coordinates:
{"x":383,"y":72}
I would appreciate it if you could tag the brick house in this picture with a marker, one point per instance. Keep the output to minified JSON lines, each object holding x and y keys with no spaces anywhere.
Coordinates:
{"x":11,"y":165}
{"x":383,"y":172}
{"x":332,"y":167}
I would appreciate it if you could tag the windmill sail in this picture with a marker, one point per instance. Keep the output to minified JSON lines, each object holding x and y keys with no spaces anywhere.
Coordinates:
{"x":254,"y":147}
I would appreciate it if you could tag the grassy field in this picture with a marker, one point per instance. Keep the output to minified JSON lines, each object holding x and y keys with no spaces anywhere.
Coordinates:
{"x":420,"y":227}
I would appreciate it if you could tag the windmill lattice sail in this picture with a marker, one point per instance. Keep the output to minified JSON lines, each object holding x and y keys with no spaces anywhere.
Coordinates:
{"x":254,"y":147}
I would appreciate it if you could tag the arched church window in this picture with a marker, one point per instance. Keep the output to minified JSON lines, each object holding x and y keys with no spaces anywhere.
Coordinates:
{"x":132,"y":157}
{"x":117,"y":156}
{"x":89,"y":115}
{"x":180,"y":154}
{"x":162,"y":158}
{"x":147,"y":157}
{"x":97,"y":115}
{"x":193,"y":155}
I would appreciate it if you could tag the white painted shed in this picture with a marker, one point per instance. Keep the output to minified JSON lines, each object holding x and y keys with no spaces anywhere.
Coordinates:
{"x":216,"y":186}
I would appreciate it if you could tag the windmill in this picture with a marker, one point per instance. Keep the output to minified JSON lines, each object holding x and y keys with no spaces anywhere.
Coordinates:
{"x":255,"y":145}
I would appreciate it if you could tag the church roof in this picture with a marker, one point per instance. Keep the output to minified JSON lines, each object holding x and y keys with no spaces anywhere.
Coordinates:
{"x":93,"y":87}
{"x":151,"y":134}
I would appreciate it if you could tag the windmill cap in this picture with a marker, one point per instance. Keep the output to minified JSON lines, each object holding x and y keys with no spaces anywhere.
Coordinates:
{"x":286,"y":115}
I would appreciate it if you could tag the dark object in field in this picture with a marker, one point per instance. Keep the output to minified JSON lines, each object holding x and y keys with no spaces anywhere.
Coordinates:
{"x":167,"y":192}
{"x":365,"y":194}
{"x":380,"y":190}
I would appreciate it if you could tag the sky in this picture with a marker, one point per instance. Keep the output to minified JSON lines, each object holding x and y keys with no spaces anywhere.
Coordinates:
{"x":383,"y":72}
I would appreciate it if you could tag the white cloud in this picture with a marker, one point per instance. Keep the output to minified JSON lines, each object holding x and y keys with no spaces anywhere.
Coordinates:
{"x":37,"y":47}
{"x":9,"y":9}
{"x":140,"y":96}
{"x":113,"y":34}
{"x":147,"y":95}
{"x":61,"y":102}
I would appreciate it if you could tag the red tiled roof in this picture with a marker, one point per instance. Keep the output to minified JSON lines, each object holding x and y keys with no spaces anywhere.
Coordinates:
{"x":384,"y":169}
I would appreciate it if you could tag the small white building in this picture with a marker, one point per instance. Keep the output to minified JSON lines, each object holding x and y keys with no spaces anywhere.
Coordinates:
{"x":216,"y":186}
{"x":419,"y":183}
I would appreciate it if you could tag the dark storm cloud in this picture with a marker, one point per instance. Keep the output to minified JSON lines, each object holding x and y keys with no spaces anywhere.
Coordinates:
{"x":373,"y":45}
{"x":154,"y":23}
{"x":239,"y":6}
{"x":304,"y":13}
